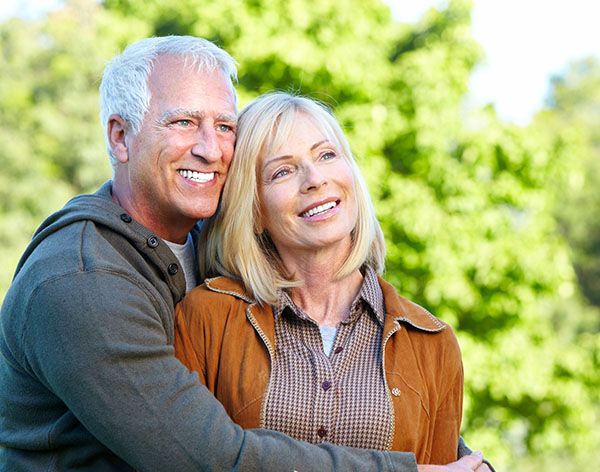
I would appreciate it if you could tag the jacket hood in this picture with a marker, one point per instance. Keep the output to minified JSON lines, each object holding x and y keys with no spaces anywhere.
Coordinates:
{"x":100,"y":209}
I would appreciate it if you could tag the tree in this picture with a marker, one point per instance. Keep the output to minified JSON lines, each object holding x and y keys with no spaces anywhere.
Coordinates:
{"x":53,"y":144}
{"x":575,"y":105}
{"x":467,"y":202}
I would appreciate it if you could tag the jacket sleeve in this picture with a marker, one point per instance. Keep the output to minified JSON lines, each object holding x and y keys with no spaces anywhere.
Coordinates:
{"x":446,"y":423}
{"x":185,"y":347}
{"x":105,"y":354}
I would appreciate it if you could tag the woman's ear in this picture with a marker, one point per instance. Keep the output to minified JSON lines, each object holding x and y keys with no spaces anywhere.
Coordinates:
{"x":258,"y":226}
{"x":117,"y":132}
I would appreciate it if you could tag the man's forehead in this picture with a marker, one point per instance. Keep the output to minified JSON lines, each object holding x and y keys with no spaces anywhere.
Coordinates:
{"x":176,"y":85}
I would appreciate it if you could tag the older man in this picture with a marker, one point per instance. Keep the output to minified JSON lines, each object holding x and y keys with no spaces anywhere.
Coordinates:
{"x":88,"y":380}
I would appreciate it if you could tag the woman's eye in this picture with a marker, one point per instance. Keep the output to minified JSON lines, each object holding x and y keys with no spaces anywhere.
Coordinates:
{"x":281,"y":173}
{"x":328,"y":155}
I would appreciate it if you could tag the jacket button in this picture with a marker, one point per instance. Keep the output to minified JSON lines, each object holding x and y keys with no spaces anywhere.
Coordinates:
{"x":322,"y":432}
{"x":338,"y":349}
{"x":396,"y":392}
{"x":125,"y":217}
{"x":173,"y":269}
{"x":152,"y":241}
{"x":326,"y":385}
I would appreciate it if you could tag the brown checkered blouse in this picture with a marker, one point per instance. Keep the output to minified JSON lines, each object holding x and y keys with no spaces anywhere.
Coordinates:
{"x":341,"y":398}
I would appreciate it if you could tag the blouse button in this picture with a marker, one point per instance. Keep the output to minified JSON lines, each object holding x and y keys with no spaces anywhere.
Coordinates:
{"x":322,"y":432}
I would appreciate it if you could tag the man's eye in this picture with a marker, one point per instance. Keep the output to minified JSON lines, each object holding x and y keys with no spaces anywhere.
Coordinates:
{"x":183,"y":122}
{"x":225,"y":128}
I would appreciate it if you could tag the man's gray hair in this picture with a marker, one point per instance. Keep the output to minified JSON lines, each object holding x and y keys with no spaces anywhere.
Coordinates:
{"x":124,"y":89}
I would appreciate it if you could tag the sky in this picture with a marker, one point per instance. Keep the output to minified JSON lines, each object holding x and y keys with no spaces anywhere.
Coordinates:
{"x":526,"y":42}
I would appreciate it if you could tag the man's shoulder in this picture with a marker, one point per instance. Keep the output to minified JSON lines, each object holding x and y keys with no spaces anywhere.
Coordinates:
{"x":88,"y":253}
{"x":91,"y":232}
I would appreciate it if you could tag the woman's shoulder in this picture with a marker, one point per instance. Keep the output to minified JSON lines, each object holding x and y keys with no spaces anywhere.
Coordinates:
{"x":220,"y":287}
{"x":418,"y":322}
{"x":215,"y":295}
{"x":405,"y":311}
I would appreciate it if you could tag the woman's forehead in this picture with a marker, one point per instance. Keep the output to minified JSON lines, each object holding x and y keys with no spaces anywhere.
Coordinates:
{"x":286,"y":124}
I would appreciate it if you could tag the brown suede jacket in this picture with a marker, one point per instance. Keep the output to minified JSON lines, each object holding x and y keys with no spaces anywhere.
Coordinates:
{"x":222,"y":334}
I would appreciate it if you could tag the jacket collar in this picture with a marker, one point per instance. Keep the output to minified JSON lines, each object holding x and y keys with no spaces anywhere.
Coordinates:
{"x":260,"y":316}
{"x":397,"y":308}
{"x":232,"y":287}
{"x":404,"y":311}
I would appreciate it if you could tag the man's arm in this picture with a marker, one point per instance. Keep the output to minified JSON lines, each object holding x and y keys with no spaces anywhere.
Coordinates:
{"x":468,"y":463}
{"x":105,"y":354}
{"x":464,"y":450}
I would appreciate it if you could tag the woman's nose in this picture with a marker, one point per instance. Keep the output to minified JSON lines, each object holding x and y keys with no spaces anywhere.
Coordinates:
{"x":313,"y":178}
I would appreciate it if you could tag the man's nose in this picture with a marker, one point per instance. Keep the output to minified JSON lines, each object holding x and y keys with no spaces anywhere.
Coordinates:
{"x":313,"y":178}
{"x":207,"y":146}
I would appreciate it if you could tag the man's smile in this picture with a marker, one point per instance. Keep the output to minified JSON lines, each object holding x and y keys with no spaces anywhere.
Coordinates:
{"x":195,"y":176}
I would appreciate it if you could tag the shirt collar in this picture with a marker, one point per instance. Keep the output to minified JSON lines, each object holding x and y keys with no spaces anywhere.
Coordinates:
{"x":370,"y":293}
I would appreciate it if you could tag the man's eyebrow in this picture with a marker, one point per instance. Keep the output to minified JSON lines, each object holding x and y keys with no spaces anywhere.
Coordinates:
{"x":230,"y":118}
{"x":183,"y":113}
{"x":180,"y":113}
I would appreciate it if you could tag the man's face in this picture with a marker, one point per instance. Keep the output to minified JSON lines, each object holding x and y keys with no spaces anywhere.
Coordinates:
{"x":178,"y":162}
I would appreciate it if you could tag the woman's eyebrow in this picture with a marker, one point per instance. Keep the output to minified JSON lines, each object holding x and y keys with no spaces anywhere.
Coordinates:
{"x":288,"y":156}
{"x":275,"y":159}
{"x":316,"y":145}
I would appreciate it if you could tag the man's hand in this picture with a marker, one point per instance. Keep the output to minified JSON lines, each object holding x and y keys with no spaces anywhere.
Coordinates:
{"x":471,"y":463}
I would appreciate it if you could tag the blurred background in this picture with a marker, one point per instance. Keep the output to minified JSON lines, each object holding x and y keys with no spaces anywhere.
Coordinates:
{"x":485,"y":172}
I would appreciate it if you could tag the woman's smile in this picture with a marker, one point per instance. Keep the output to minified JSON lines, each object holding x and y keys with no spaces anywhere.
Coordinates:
{"x":321,"y":210}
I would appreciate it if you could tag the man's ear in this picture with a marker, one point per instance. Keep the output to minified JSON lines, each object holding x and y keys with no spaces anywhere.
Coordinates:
{"x":117,"y":132}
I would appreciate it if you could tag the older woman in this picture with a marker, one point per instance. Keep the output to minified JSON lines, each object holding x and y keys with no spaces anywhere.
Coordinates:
{"x":301,"y":335}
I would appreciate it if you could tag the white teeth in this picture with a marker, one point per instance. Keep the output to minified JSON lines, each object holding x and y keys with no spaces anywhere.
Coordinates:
{"x":319,"y":209}
{"x":197,"y":176}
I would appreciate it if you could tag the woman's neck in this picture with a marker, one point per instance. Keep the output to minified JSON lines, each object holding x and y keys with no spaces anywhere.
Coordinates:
{"x":324,"y":299}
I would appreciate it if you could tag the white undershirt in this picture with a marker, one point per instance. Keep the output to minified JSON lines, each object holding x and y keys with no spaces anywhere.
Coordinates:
{"x":328,"y":335}
{"x":187,"y":259}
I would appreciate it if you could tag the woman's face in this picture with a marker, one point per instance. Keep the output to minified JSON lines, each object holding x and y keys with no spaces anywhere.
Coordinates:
{"x":307,"y":193}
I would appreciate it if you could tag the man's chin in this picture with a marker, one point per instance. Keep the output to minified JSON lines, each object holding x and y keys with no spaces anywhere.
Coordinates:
{"x":205,"y":212}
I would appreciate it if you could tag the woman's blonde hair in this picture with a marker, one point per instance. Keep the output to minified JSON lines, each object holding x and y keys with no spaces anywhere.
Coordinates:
{"x":232,"y":241}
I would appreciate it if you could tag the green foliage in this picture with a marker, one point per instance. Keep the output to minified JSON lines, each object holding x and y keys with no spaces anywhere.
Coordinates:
{"x":576,"y":108}
{"x":468,"y":203}
{"x":53,"y":144}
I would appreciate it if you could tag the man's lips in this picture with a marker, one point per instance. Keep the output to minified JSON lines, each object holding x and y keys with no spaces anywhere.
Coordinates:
{"x":319,"y":208}
{"x":200,"y":177}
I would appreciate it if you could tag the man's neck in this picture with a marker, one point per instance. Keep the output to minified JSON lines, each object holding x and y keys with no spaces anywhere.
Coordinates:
{"x":174,"y":232}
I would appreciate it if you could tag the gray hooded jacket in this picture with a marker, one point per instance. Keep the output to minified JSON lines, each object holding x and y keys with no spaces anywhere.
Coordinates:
{"x":88,"y":380}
